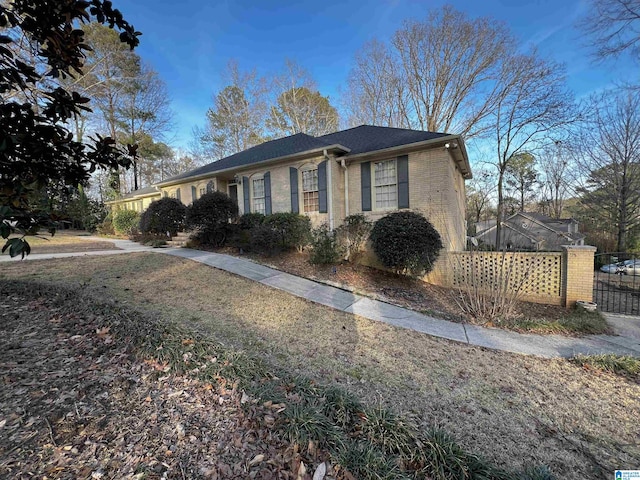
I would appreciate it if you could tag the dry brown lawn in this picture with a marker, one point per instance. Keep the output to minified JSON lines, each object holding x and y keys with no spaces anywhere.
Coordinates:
{"x":512,"y":409}
{"x":67,"y":241}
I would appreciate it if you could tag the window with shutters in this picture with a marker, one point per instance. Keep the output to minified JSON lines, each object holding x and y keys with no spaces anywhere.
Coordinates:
{"x":202,"y":191}
{"x":258,"y":196}
{"x":310,"y":190}
{"x":385,"y":181}
{"x":173,"y":194}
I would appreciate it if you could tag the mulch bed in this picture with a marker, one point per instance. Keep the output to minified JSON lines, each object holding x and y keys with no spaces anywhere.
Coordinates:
{"x":76,"y":402}
{"x":397,"y":289}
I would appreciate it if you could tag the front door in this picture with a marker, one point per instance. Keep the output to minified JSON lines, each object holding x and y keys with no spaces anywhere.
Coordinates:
{"x":233,"y":192}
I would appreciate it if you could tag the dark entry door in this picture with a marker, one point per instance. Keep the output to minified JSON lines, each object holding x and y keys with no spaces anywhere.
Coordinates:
{"x":233,"y":192}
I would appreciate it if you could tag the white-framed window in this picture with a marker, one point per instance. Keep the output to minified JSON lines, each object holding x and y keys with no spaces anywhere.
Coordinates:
{"x":310,"y":190}
{"x":385,"y":181}
{"x":202,"y":191}
{"x":258,"y":195}
{"x":173,"y":194}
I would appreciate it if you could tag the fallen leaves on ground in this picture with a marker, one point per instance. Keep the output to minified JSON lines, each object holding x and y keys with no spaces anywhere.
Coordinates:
{"x":77,"y":403}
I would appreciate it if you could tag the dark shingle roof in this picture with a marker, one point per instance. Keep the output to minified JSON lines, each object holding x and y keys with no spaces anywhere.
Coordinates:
{"x":140,"y":191}
{"x":281,"y":147}
{"x":367,"y":138}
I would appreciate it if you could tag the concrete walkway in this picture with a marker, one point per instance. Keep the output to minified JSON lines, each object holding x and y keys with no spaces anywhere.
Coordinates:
{"x":628,"y":343}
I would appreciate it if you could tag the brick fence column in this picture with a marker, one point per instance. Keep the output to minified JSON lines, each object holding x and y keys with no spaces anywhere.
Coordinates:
{"x":577,"y":274}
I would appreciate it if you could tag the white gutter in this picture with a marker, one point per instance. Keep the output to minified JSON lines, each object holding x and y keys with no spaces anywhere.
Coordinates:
{"x":464,"y":160}
{"x":329,"y":188}
{"x":343,"y":164}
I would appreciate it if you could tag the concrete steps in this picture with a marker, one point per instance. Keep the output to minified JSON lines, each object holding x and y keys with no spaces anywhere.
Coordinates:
{"x":180,"y":240}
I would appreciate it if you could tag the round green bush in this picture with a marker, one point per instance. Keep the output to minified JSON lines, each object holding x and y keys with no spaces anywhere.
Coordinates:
{"x":293,"y":230}
{"x":162,"y":216}
{"x":211,"y":215}
{"x":125,"y":222}
{"x":325,"y":246}
{"x":250,"y":220}
{"x":406,"y":242}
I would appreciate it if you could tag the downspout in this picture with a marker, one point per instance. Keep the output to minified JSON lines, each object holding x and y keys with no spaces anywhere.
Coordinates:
{"x":343,"y":164}
{"x":329,"y":188}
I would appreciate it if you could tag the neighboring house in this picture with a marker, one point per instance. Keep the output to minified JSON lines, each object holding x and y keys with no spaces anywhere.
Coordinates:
{"x":531,"y":231}
{"x":366,"y":169}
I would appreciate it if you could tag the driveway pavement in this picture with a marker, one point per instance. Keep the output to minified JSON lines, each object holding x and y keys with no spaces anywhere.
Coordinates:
{"x":626,"y":342}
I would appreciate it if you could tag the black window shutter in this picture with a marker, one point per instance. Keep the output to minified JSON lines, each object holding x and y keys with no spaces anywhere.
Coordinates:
{"x":178,"y":194}
{"x":245,"y":191}
{"x":365,"y":185}
{"x":293,"y":180}
{"x":322,"y":187}
{"x":267,"y":193}
{"x":193,"y":194}
{"x":403,"y":181}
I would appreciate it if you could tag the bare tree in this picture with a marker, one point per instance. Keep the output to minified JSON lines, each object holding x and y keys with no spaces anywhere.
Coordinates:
{"x":556,"y":166}
{"x":480,"y":190}
{"x":521,"y":177}
{"x":299,"y":107}
{"x":450,"y":64}
{"x":237,"y":119}
{"x":611,"y":152}
{"x":376,"y":91}
{"x":613,"y":27}
{"x":534,"y":104}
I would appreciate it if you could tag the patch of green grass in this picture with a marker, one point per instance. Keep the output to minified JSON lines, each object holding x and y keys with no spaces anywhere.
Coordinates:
{"x":623,"y":365}
{"x":575,"y":322}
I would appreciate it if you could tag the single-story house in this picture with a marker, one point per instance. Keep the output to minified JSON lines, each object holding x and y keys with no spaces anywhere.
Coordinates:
{"x":532,"y":232}
{"x":366,"y":169}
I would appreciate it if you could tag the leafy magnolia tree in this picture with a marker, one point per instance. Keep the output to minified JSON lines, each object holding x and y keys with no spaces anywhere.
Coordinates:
{"x":37,"y":151}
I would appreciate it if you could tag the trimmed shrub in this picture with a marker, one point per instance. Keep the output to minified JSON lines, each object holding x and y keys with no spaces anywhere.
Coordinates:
{"x":264,"y":239}
{"x":353,"y":233}
{"x":125,"y":222}
{"x":293,"y":230}
{"x":250,"y":220}
{"x":211,"y":215}
{"x":406,"y":242}
{"x":326,"y":248}
{"x":162,"y":216}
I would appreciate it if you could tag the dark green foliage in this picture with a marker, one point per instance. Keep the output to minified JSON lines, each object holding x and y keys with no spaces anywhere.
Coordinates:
{"x":304,"y":423}
{"x":326,"y":248}
{"x":85,"y":213}
{"x":293,"y":230}
{"x":125,"y":222}
{"x":211,"y":215}
{"x":353,"y":234}
{"x":341,"y":407}
{"x":264,"y":239}
{"x":365,"y":461}
{"x":162,"y":216}
{"x":248,"y":221}
{"x":406,"y":242}
{"x":38,"y":154}
{"x":536,"y":473}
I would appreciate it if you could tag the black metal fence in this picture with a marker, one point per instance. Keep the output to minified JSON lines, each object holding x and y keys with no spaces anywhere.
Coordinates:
{"x":616,"y":283}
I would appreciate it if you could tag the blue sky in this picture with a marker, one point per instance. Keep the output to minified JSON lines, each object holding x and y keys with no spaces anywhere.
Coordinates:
{"x":189,"y":43}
